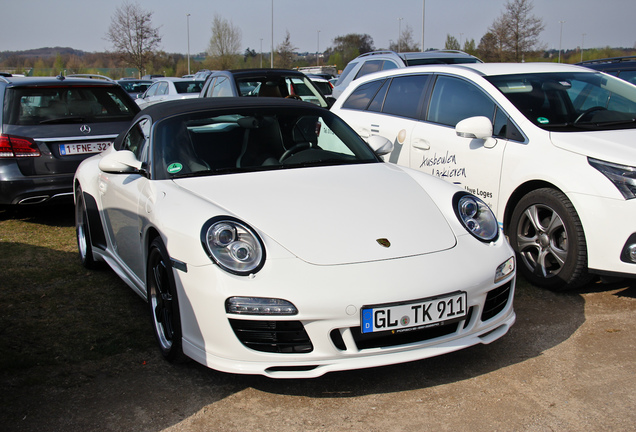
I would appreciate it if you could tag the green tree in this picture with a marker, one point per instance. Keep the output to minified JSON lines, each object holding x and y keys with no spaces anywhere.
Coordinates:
{"x":59,"y":64}
{"x":285,"y":53}
{"x":451,"y":43}
{"x":469,"y":47}
{"x":350,"y":46}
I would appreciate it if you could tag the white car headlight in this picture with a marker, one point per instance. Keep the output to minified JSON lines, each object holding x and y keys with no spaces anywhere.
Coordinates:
{"x":233,"y":245}
{"x":476,"y":216}
{"x":623,"y":176}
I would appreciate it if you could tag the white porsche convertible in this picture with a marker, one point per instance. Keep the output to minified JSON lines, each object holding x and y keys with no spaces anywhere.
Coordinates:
{"x":268,"y":238}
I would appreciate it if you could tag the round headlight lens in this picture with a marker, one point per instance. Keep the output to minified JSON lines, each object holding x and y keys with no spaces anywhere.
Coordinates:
{"x":233,"y":245}
{"x":223,"y":234}
{"x":476,"y":216}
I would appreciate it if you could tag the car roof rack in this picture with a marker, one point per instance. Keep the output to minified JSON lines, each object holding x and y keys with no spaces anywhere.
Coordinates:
{"x":90,"y":76}
{"x":377,"y":53}
{"x":610,"y":60}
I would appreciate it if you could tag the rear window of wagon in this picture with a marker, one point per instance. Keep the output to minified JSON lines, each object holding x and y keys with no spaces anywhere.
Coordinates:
{"x":67,"y":104}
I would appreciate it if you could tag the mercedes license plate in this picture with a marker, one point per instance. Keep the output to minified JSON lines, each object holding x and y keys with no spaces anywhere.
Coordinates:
{"x":84,"y":148}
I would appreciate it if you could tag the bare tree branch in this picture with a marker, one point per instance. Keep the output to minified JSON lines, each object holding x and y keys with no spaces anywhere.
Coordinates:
{"x":225,"y":43}
{"x":132,"y":35}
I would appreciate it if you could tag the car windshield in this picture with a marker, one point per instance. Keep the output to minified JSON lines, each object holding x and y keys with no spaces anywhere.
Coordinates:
{"x":244,"y":140}
{"x":77,"y":104}
{"x":296,"y":87}
{"x":571,"y":101}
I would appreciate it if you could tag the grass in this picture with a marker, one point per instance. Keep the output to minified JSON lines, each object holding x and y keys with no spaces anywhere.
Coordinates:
{"x":53,"y":311}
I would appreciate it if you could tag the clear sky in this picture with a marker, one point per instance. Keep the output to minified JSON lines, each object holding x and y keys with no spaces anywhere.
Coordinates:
{"x":28,"y":24}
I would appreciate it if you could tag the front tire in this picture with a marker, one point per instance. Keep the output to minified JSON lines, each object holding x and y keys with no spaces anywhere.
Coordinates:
{"x":546,"y":233}
{"x":164,"y":302}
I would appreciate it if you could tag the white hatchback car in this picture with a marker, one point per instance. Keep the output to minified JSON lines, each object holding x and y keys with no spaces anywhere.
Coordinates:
{"x":551,"y":148}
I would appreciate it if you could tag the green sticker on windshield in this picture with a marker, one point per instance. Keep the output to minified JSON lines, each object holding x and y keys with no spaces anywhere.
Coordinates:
{"x":174,"y":168}
{"x":543,"y":120}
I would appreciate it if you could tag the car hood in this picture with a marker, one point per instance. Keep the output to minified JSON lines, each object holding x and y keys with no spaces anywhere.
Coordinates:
{"x":333,"y":215}
{"x":618,"y":146}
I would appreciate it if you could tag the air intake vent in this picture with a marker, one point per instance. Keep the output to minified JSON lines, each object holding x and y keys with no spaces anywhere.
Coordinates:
{"x":272,"y":336}
{"x":496,"y":301}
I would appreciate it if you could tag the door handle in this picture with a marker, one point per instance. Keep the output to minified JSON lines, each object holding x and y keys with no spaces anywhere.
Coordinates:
{"x":421,"y":144}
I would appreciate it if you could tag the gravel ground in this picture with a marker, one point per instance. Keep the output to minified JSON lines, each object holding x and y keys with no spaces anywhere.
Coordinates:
{"x":567,"y":364}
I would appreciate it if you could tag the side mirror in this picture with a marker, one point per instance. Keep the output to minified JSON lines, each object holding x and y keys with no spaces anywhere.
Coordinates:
{"x":477,"y":128}
{"x":120,"y":162}
{"x":380,"y":145}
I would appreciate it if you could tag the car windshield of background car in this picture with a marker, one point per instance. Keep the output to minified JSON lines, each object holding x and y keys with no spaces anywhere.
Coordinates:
{"x":254,"y":140}
{"x":67,"y":105}
{"x":571,"y":101}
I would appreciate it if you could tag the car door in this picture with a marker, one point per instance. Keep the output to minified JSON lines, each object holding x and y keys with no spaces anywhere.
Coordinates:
{"x":160,"y":94}
{"x":389,"y":108}
{"x":123,"y":198}
{"x":436,"y":148}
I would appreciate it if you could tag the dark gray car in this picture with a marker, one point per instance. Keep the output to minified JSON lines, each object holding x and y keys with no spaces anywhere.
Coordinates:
{"x":264,"y":82}
{"x":48,"y":126}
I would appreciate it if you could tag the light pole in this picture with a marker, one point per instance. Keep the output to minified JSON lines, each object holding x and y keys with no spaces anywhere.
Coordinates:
{"x":423,"y":17}
{"x":400,"y":34}
{"x":582,"y":43}
{"x":188,"y":27}
{"x":261,"y":53}
{"x":318,"y":49}
{"x":272,"y":53}
{"x":560,"y":40}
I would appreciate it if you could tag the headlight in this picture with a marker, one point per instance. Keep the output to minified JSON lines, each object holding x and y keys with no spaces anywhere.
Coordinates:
{"x":233,"y":245}
{"x":623,"y":176}
{"x":476,"y":216}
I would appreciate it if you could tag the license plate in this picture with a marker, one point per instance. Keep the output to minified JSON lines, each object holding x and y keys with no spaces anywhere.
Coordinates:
{"x":407,"y":316}
{"x":84,"y":148}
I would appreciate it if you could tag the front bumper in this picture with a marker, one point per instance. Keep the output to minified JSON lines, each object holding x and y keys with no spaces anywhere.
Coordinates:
{"x":610,"y":228}
{"x":329,"y":299}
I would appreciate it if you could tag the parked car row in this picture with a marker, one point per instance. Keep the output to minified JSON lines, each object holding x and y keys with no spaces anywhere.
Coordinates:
{"x":282,"y":232}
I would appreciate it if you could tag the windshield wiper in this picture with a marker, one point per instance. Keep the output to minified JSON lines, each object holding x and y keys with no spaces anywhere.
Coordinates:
{"x":617,"y":122}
